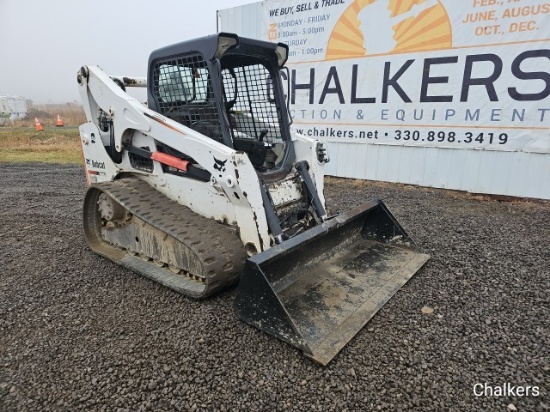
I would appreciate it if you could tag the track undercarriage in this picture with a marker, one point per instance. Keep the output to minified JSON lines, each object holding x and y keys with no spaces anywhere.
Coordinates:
{"x":132,"y":224}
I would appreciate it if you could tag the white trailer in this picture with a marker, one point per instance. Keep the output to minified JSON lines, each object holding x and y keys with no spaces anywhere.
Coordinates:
{"x":434,"y":93}
{"x":12,"y":108}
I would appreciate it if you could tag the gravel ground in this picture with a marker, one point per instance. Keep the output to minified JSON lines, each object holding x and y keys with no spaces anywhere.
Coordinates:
{"x":78,"y":332}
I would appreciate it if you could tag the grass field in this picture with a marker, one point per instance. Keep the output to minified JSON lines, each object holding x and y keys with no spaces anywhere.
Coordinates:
{"x":52,"y":145}
{"x":20,"y":142}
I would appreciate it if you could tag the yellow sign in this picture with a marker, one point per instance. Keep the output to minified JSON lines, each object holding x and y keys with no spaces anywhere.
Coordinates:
{"x":370,"y":27}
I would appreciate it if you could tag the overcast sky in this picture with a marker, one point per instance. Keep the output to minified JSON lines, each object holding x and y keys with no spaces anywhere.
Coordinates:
{"x":44,"y":42}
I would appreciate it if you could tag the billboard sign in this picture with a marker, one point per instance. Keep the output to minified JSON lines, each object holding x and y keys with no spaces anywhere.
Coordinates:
{"x":472,"y":74}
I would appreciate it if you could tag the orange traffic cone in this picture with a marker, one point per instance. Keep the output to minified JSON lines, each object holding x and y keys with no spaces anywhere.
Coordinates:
{"x":59,"y":122}
{"x":39,"y":127}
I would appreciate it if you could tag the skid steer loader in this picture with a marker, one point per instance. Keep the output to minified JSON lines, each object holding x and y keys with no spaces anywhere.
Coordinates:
{"x":207,"y":185}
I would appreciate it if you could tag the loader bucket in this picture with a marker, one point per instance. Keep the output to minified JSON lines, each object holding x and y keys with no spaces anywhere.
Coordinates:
{"x":317,"y":290}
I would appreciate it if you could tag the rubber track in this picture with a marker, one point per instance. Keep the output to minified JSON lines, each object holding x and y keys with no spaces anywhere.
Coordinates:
{"x":218,"y":248}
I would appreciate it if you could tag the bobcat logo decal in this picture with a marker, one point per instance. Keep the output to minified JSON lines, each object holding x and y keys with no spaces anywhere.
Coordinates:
{"x":219,"y":165}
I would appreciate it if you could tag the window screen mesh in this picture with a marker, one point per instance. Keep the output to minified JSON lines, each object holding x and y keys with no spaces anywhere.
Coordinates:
{"x":184,"y":94}
{"x":250,"y":99}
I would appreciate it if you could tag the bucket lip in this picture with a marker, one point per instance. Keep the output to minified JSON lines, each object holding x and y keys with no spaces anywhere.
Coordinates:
{"x":305,"y":237}
{"x":334,"y":342}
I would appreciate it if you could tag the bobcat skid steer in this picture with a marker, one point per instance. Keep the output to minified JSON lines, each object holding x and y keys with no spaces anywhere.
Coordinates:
{"x":207,"y":186}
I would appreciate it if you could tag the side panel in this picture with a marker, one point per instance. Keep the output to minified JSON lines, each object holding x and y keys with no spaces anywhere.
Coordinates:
{"x":482,"y":171}
{"x":233,"y":192}
{"x":245,"y":18}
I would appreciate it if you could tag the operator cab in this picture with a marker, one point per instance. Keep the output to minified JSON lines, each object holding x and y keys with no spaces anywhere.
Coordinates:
{"x":227,"y":88}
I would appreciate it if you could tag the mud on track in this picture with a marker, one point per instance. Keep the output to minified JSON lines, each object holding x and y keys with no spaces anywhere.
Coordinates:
{"x":78,"y":332}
